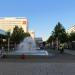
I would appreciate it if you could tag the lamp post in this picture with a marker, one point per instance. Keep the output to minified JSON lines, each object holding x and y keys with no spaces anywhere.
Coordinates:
{"x":58,"y":40}
{"x":8,"y":44}
{"x":8,"y":34}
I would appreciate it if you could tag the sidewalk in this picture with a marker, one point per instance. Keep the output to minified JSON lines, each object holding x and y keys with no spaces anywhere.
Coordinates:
{"x":22,"y":68}
{"x":69,"y":51}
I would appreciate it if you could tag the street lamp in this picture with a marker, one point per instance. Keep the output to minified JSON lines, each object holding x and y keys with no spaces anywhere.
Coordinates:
{"x":8,"y":34}
{"x":58,"y":40}
{"x":8,"y":43}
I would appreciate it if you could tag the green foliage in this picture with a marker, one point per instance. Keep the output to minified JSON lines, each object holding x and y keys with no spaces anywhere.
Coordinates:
{"x":72,"y":36}
{"x":58,"y":32}
{"x":26,"y":35}
{"x":50,"y":39}
{"x":18,"y":35}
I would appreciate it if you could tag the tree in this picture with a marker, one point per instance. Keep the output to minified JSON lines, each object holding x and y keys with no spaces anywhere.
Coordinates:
{"x":60,"y":33}
{"x":15,"y":34}
{"x":18,"y":35}
{"x":26,"y":34}
{"x":50,"y":39}
{"x":72,"y":36}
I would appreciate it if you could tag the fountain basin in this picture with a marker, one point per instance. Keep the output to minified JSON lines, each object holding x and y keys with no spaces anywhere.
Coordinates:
{"x":27,"y":54}
{"x":35,"y":52}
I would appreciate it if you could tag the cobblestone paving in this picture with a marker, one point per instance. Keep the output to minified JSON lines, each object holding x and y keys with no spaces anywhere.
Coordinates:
{"x":24,"y":68}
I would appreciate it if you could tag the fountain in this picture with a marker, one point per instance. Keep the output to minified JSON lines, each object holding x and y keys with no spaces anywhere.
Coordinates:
{"x":28,"y":47}
{"x":28,"y":44}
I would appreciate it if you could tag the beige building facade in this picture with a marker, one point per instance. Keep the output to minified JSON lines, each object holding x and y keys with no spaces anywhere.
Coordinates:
{"x":71,"y":29}
{"x":8,"y":23}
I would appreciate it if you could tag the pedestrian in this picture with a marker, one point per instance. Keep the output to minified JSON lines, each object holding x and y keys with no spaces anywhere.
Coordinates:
{"x":61,"y":48}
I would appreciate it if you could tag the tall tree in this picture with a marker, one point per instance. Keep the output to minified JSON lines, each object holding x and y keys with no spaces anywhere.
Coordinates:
{"x":51,"y":38}
{"x":72,"y":36}
{"x":60,"y":33}
{"x":18,"y":35}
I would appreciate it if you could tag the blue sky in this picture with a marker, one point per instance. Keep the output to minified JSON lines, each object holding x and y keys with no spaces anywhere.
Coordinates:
{"x":43,"y":15}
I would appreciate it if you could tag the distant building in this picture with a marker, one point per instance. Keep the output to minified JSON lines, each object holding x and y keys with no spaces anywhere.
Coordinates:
{"x":71,"y":44}
{"x":32,"y":33}
{"x":38,"y":41}
{"x":8,"y":23}
{"x":71,"y":29}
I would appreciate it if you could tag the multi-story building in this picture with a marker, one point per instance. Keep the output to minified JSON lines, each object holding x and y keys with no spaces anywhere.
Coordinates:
{"x":72,"y":43}
{"x":8,"y":23}
{"x":71,"y":29}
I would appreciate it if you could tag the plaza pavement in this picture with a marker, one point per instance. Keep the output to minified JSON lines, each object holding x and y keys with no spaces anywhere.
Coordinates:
{"x":28,"y":68}
{"x":60,"y":64}
{"x":70,"y":51}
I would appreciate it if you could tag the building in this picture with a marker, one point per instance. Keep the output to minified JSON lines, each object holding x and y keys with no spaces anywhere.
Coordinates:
{"x":32,"y":33}
{"x":71,"y":44}
{"x":71,"y":29}
{"x":8,"y":23}
{"x":38,"y":41}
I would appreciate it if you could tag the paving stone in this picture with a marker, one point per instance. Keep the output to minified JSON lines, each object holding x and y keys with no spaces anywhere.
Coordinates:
{"x":19,"y":68}
{"x":55,"y":73}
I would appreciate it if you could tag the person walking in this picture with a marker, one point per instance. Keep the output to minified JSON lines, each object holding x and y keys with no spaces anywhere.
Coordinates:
{"x":61,"y":48}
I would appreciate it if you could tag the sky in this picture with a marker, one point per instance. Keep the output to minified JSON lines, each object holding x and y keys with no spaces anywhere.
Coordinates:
{"x":42,"y":15}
